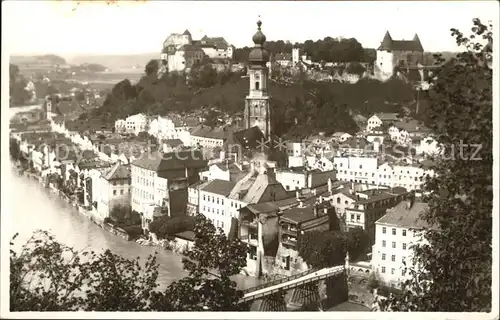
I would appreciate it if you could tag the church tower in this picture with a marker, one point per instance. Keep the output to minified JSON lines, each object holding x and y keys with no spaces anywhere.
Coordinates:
{"x":48,"y":110}
{"x":257,"y":109}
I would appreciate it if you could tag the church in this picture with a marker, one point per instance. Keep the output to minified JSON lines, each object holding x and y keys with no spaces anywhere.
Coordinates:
{"x":258,"y":115}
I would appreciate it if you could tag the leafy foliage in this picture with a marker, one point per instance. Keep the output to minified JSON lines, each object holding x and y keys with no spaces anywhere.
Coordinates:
{"x":167,"y":226}
{"x":328,"y":49}
{"x":49,"y":276}
{"x":200,"y":291}
{"x":17,"y":84}
{"x":328,"y":249}
{"x":46,"y":275}
{"x":124,"y":216}
{"x":454,"y":269}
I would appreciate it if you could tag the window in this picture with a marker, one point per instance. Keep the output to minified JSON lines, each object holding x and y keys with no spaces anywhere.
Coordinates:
{"x":383,"y":243}
{"x":383,"y":256}
{"x":114,"y":192}
{"x":121,"y":192}
{"x":393,"y":258}
{"x":394,"y":245}
{"x":338,"y":200}
{"x":404,"y":246}
{"x":383,"y":269}
{"x":352,"y":217}
{"x":222,"y":224}
{"x":392,"y":271}
{"x":393,"y":231}
{"x":257,"y":85}
{"x":384,"y":230}
{"x":358,"y":217}
{"x":403,"y":272}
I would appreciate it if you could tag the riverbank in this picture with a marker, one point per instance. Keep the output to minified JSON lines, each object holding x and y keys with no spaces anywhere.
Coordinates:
{"x":89,"y":214}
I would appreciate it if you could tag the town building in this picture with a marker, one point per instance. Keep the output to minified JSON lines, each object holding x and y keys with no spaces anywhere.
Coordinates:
{"x":207,"y":137}
{"x":225,"y":170}
{"x":341,"y":136}
{"x":160,"y":182}
{"x":403,"y":132}
{"x":372,"y":170}
{"x":115,"y":189}
{"x":394,"y":54}
{"x":395,"y":233}
{"x":381,"y":119}
{"x":133,"y":124}
{"x":257,"y":186}
{"x":370,"y":205}
{"x":300,"y":178}
{"x":293,"y":223}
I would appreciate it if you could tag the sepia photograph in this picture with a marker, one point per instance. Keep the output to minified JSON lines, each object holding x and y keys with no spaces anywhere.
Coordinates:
{"x":236,"y":158}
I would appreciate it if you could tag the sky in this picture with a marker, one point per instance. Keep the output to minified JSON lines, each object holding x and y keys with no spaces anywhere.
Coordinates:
{"x":129,"y":27}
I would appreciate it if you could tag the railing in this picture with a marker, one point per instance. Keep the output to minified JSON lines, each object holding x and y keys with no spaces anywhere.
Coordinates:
{"x":279,"y":281}
{"x":255,"y":295}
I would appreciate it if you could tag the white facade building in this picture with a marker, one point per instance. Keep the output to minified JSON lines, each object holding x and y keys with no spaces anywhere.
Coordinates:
{"x":134,"y":124}
{"x":395,"y":233}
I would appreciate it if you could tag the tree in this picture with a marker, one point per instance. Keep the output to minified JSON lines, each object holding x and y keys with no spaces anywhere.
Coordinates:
{"x":321,"y":249}
{"x":14,"y":150}
{"x":356,"y":242}
{"x":455,"y":266}
{"x":167,"y":226}
{"x":151,"y":68}
{"x":199,"y":291}
{"x":49,"y":276}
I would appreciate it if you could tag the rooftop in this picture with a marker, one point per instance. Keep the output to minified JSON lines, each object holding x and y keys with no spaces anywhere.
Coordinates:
{"x":402,"y":216}
{"x":211,"y":133}
{"x":301,"y":214}
{"x":118,"y":172}
{"x":171,"y":161}
{"x":220,"y":187}
{"x":384,"y":116}
{"x":411,"y":126}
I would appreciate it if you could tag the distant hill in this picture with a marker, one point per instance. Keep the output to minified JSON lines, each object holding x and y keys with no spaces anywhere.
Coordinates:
{"x":115,"y":62}
{"x":46,"y":59}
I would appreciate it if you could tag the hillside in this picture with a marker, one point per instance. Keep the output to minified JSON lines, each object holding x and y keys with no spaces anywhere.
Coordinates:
{"x":47,"y":59}
{"x":299,"y":109}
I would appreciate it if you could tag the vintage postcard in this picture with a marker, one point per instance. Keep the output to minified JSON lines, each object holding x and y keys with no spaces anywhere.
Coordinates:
{"x":250,"y":159}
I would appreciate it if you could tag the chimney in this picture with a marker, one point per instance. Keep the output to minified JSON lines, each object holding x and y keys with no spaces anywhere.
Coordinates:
{"x":315,"y":210}
{"x":320,"y":199}
{"x":314,"y":191}
{"x":330,"y":186}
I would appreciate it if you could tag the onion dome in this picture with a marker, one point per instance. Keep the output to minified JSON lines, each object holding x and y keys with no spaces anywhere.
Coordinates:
{"x":258,"y":54}
{"x":259,"y":38}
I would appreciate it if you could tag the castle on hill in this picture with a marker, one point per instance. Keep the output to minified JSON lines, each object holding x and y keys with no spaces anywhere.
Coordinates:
{"x":180,"y":52}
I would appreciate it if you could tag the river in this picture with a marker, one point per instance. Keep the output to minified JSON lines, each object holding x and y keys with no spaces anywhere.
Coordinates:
{"x":34,"y":207}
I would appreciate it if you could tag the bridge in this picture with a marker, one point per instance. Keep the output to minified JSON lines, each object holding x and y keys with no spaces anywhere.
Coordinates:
{"x":304,"y":286}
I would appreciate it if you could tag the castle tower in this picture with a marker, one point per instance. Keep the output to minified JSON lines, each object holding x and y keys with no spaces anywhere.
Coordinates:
{"x":257,"y":109}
